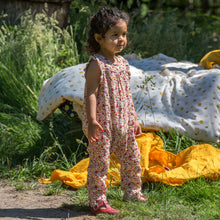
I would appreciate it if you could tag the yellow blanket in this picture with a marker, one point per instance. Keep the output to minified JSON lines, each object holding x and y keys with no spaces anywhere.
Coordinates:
{"x":157,"y":165}
{"x":210,"y":59}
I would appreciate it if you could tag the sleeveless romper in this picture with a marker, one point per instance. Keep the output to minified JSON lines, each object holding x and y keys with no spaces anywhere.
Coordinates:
{"x":115,"y":113}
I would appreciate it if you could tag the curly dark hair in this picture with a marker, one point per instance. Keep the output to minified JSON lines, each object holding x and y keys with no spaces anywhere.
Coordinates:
{"x":100,"y":23}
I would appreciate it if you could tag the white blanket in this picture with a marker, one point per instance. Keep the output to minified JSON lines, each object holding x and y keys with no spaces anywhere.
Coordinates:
{"x":167,"y":94}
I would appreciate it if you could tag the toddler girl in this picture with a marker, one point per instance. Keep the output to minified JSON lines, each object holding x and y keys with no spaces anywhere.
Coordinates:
{"x":109,"y":119}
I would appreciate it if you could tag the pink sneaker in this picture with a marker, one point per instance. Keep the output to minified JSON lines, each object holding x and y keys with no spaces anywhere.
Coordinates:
{"x":105,"y":208}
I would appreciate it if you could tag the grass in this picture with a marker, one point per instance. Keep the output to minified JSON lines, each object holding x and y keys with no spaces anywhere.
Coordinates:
{"x":174,"y":142}
{"x":36,"y":49}
{"x":197,"y":199}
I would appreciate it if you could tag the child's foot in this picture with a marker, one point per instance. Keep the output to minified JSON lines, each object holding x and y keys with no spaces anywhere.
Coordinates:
{"x":143,"y":198}
{"x":105,"y":208}
{"x":140,"y":197}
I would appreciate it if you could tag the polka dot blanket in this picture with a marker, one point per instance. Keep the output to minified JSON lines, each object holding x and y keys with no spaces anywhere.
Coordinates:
{"x":167,"y":95}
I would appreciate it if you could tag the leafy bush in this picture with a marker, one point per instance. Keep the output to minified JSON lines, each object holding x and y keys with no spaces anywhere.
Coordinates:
{"x":30,"y":52}
{"x":164,"y":32}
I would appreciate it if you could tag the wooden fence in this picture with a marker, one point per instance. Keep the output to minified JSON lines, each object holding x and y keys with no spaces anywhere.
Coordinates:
{"x":14,"y":8}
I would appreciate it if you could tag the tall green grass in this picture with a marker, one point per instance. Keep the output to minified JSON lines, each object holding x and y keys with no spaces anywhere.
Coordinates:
{"x":30,"y":53}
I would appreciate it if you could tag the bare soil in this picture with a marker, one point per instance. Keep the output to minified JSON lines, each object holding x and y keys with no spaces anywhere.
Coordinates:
{"x":33,"y":204}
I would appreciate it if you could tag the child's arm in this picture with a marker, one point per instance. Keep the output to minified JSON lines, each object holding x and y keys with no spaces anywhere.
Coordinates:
{"x":137,"y":127}
{"x":92,"y":84}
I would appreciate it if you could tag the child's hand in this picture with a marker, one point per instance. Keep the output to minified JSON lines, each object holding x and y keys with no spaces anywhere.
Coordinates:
{"x":92,"y":128}
{"x":137,"y":129}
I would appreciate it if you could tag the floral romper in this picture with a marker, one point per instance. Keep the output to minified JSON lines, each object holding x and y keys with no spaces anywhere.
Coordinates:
{"x":115,"y":113}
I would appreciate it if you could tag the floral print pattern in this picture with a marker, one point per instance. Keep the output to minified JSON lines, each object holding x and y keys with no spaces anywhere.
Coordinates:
{"x":115,"y":113}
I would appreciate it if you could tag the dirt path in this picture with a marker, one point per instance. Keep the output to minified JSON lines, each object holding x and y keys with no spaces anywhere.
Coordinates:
{"x":32,"y":204}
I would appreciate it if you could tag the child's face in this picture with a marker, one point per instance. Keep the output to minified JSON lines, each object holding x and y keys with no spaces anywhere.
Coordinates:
{"x":115,"y":39}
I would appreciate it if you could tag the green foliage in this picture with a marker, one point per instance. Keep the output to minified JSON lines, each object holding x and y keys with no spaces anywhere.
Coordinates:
{"x":54,"y":188}
{"x":19,"y":133}
{"x":79,"y":18}
{"x":165,"y":32}
{"x":206,"y":7}
{"x":20,"y":185}
{"x":30,"y":53}
{"x":174,"y":142}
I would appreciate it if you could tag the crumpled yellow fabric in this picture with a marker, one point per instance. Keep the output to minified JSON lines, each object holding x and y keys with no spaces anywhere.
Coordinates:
{"x":210,"y":59}
{"x":157,"y":165}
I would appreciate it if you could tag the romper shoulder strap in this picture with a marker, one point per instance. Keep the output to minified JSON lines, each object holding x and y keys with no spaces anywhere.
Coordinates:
{"x":99,"y":62}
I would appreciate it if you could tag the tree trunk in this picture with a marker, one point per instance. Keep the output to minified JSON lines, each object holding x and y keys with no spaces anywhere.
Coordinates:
{"x":14,"y":8}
